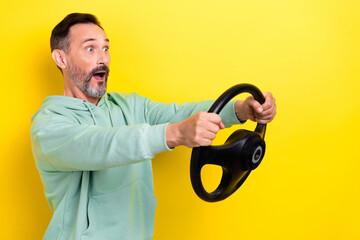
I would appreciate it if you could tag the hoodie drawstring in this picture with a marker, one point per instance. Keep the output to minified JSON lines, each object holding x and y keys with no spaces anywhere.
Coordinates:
{"x":107,"y":105}
{"x":92,"y":114}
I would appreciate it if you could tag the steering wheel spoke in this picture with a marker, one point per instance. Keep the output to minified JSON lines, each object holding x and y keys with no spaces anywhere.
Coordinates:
{"x":216,"y":155}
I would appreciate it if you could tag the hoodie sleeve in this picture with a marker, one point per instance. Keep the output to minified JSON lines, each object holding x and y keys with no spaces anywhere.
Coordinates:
{"x":158,"y":113}
{"x":60,"y":144}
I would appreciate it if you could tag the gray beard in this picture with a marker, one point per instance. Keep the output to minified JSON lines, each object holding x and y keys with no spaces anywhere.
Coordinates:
{"x":83,"y":80}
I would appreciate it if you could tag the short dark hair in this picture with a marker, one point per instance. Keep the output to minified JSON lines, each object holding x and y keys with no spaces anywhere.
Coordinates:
{"x":59,"y":36}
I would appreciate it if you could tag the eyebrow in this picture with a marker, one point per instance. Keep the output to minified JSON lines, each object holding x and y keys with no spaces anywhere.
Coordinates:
{"x":93,"y":39}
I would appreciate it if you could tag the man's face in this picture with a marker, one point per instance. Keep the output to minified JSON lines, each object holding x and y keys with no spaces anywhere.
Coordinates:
{"x":89,"y":57}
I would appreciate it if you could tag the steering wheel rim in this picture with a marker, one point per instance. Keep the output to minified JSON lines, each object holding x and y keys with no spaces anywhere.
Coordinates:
{"x":234,"y":173}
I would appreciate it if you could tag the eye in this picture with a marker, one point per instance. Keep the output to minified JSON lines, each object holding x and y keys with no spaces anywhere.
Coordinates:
{"x":89,"y":49}
{"x":105,"y":49}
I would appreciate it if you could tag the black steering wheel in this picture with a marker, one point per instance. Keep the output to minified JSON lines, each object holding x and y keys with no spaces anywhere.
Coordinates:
{"x":242,"y":152}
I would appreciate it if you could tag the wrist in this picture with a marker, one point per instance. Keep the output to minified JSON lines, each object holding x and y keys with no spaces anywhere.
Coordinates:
{"x":239,"y":111}
{"x":172,"y":135}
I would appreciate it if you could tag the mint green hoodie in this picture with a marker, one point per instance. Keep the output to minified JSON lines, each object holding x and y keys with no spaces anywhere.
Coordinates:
{"x":94,"y":162}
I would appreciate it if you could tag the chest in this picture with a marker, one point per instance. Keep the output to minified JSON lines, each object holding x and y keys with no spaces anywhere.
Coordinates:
{"x":114,"y":116}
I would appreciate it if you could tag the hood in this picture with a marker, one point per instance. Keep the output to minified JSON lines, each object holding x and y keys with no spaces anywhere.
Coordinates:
{"x":70,"y":103}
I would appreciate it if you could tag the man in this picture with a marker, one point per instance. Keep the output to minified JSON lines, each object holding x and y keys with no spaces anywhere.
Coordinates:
{"x":93,"y":150}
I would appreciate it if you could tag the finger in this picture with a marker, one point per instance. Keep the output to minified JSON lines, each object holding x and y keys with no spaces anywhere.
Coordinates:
{"x":255,"y":105}
{"x":216,"y":119}
{"x":206,"y":135}
{"x":212,"y":128}
{"x":266,"y":119}
{"x":263,"y":121}
{"x":269,"y":101}
{"x":204,"y":142}
{"x":267,"y":112}
{"x":203,"y":139}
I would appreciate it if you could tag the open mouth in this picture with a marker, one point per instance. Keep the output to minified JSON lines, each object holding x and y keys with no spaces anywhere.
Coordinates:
{"x":100,"y":75}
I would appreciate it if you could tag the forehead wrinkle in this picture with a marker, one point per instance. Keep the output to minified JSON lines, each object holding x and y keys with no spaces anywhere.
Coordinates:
{"x":89,"y":40}
{"x":93,"y":40}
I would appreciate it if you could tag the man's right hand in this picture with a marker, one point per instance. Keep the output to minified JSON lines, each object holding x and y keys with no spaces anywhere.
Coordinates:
{"x":197,"y":130}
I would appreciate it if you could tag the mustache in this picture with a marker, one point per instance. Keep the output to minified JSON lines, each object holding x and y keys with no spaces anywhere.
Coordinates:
{"x":100,"y":68}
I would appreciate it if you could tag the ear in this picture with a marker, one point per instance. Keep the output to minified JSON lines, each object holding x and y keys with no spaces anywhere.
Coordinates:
{"x":59,"y":58}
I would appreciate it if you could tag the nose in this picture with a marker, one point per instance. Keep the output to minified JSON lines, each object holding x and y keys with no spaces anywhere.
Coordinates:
{"x":103,"y":58}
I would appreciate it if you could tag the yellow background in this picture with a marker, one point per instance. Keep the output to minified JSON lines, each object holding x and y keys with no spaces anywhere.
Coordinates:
{"x":306,"y":52}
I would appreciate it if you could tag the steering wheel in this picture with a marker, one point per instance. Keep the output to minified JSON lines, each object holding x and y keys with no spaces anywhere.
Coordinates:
{"x":242,"y":152}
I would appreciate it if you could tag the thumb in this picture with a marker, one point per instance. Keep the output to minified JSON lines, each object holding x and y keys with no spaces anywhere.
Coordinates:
{"x":256,"y":106}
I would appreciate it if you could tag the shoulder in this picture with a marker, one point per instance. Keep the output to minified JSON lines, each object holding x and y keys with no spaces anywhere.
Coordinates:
{"x":126,"y":98}
{"x":56,"y":109}
{"x":117,"y":95}
{"x":59,"y":105}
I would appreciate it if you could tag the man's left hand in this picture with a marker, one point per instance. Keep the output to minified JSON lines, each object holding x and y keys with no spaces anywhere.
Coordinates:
{"x":253,"y":110}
